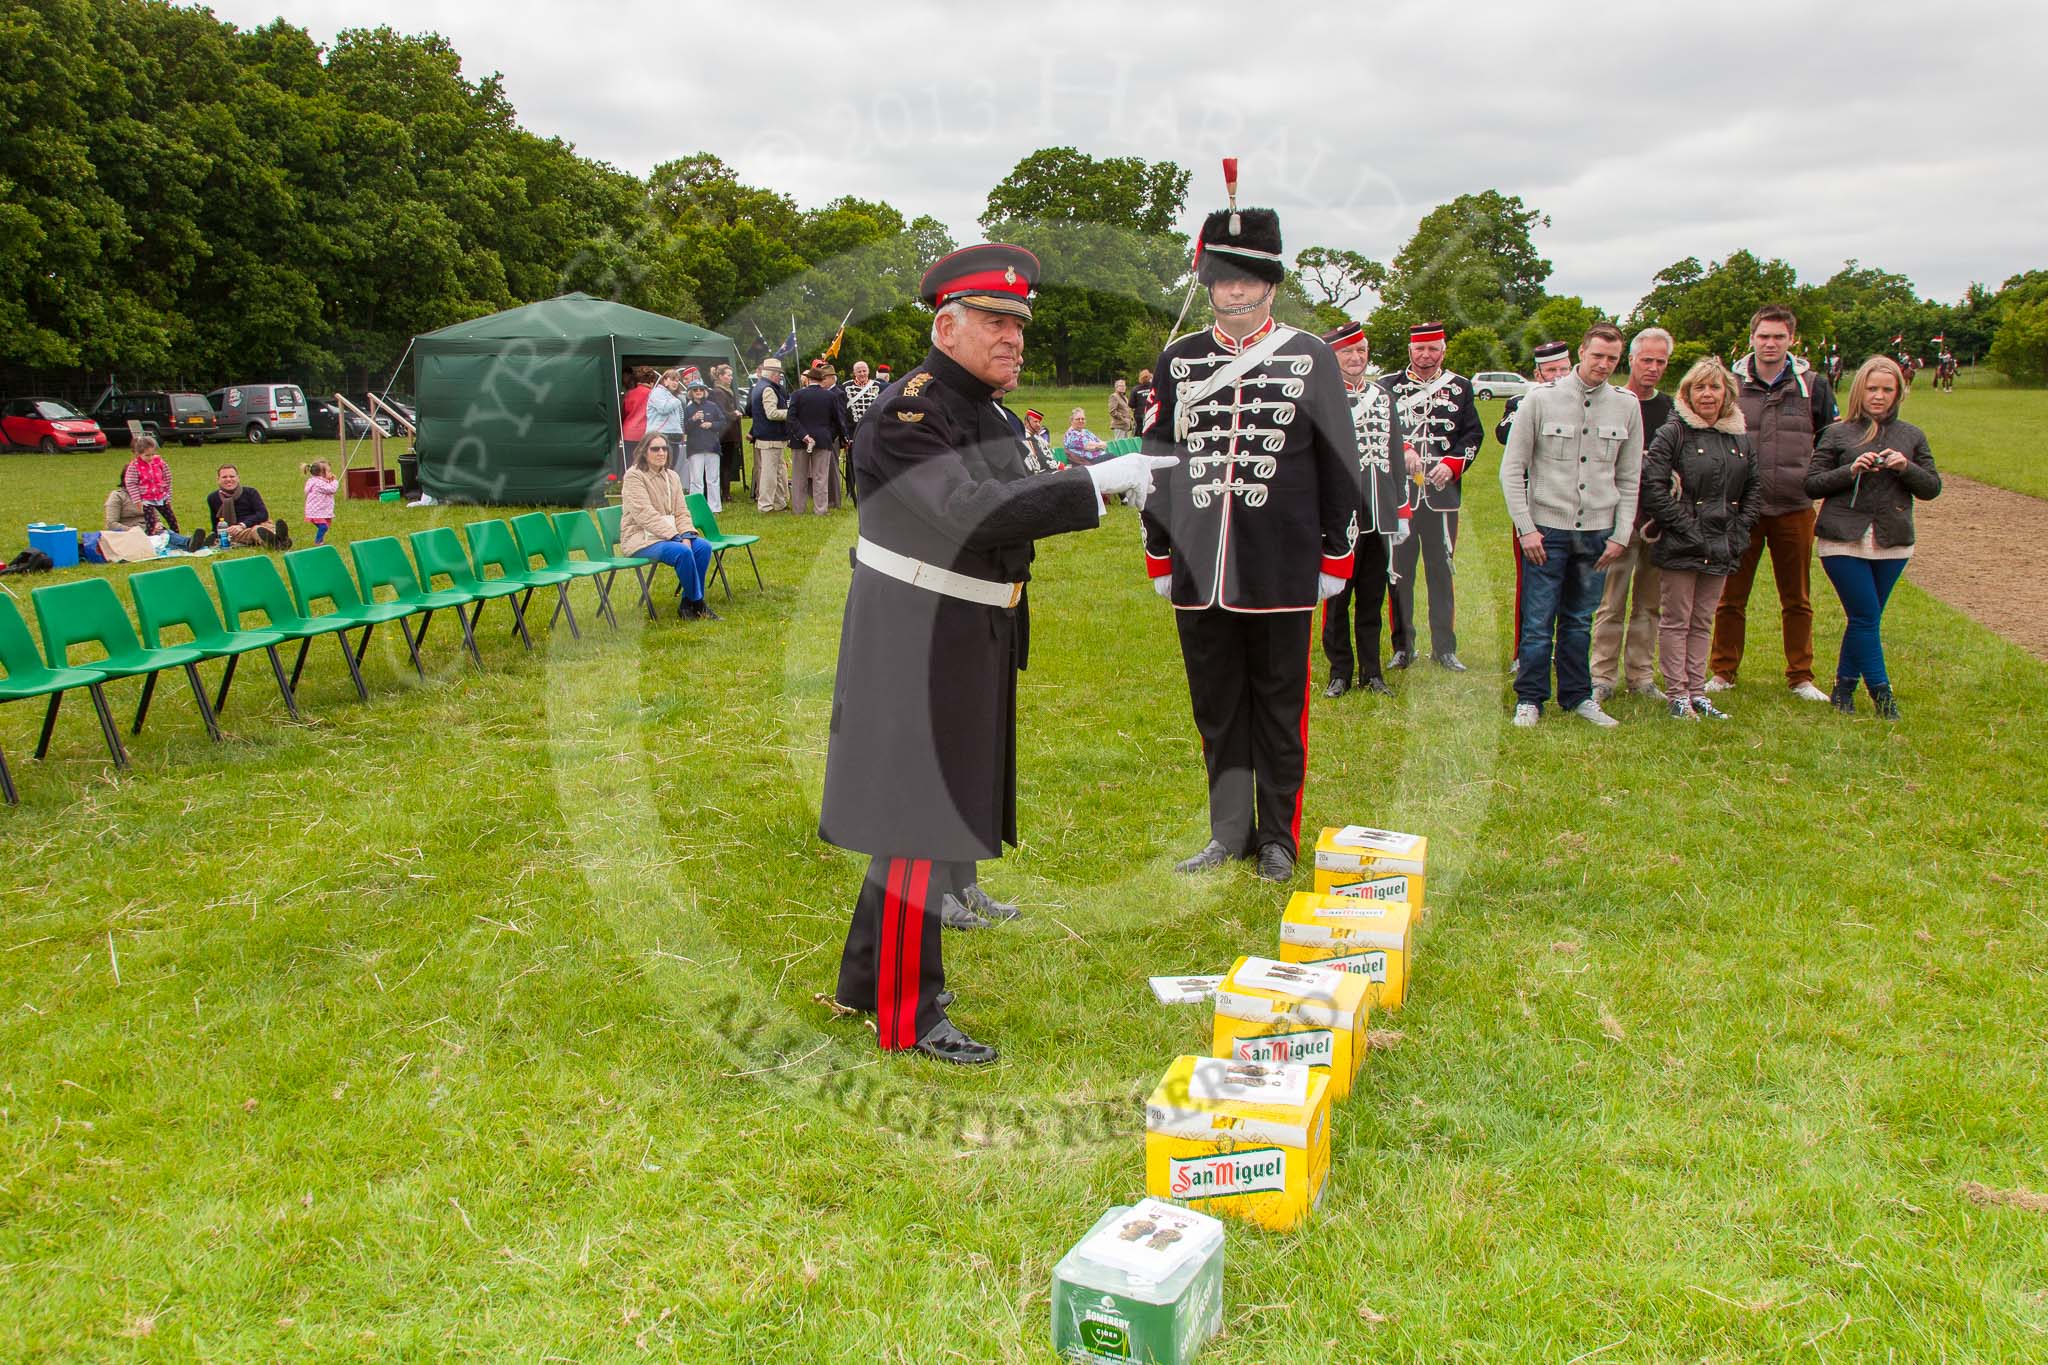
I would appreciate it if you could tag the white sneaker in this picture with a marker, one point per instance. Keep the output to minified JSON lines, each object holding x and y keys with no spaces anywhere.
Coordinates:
{"x":1602,"y":691}
{"x":1806,"y":691}
{"x":1717,"y":683}
{"x":1590,"y":710}
{"x":1525,"y":715}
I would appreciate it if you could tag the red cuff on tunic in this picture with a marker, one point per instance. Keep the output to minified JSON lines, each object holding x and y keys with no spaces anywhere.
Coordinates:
{"x":1158,"y":566}
{"x":1457,"y":466}
{"x":1340,"y":568}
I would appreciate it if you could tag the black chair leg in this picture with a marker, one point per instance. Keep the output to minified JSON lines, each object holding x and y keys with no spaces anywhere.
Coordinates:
{"x":7,"y":782}
{"x":107,"y":726}
{"x":199,"y":696}
{"x":411,"y":646}
{"x":227,"y":679}
{"x":562,"y":608}
{"x":604,"y":597}
{"x":426,"y":620}
{"x":518,"y":619}
{"x":646,"y":581}
{"x":49,"y":723}
{"x":291,"y":703}
{"x":355,"y":670}
{"x":718,"y":572}
{"x":142,"y":709}
{"x":755,"y":566}
{"x":469,"y":635}
{"x":299,"y":664}
{"x":363,"y":647}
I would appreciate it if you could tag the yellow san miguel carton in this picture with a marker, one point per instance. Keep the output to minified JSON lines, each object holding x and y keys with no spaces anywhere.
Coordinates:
{"x":1368,"y":938}
{"x":1244,"y":1140}
{"x":1371,"y":864}
{"x":1285,"y":1012}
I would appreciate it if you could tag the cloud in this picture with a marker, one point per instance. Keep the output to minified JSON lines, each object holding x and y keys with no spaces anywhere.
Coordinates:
{"x":1886,"y":131}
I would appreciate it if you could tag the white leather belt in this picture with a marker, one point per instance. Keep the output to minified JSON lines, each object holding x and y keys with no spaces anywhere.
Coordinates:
{"x":932,"y":578}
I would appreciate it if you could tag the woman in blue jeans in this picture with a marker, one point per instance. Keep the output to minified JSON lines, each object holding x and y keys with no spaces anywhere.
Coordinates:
{"x":654,"y":522}
{"x":1868,"y":468}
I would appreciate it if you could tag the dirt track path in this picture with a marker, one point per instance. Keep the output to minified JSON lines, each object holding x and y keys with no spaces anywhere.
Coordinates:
{"x":1983,"y":550}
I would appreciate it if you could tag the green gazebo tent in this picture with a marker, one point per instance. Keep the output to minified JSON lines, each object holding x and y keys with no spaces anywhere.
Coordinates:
{"x":522,"y":406}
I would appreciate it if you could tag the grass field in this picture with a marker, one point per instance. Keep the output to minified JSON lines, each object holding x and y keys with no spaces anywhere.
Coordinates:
{"x":475,"y":1022}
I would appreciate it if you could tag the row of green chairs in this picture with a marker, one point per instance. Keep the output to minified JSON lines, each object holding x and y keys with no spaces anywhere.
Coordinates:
{"x":88,"y":612}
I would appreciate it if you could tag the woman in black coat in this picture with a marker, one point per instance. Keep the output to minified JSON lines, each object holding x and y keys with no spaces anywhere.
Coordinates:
{"x":1868,"y":468}
{"x":1701,"y":489}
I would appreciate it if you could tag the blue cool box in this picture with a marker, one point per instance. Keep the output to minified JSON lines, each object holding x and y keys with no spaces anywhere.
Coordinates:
{"x":60,"y":543}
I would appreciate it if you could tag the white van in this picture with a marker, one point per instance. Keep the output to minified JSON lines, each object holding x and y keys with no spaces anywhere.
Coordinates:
{"x":257,"y":412}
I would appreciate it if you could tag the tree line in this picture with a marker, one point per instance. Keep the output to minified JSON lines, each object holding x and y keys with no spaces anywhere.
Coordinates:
{"x":188,"y":202}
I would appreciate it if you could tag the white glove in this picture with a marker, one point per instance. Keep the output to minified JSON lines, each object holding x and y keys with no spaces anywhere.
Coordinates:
{"x":1128,"y":474}
{"x":1328,"y":585}
{"x":1163,"y":585}
{"x":1400,"y":533}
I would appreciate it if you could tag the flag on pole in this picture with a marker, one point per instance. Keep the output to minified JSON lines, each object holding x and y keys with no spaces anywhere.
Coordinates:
{"x":788,"y":346}
{"x":832,"y":351}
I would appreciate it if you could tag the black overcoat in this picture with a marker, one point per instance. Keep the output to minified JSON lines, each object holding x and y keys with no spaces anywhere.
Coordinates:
{"x":922,"y":760}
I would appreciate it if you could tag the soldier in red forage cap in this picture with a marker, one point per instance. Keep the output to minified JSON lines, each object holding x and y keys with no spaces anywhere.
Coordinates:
{"x":921,"y":768}
{"x":1382,"y":514}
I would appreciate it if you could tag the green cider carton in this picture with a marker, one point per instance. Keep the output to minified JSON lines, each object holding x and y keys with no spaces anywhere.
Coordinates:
{"x":1145,"y":1284}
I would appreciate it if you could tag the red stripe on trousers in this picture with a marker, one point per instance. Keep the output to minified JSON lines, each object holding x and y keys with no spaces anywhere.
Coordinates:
{"x":912,"y":921}
{"x":1307,"y":691}
{"x":885,"y":978}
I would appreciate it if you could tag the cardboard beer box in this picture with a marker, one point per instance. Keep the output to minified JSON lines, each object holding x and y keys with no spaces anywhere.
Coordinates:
{"x":1368,"y":937}
{"x":1146,"y":1283}
{"x":1243,"y":1140}
{"x":1269,"y":1011}
{"x":1371,"y":864}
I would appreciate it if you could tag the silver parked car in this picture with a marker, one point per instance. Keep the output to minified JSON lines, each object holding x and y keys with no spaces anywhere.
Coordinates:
{"x":257,"y":412}
{"x":1499,"y":384}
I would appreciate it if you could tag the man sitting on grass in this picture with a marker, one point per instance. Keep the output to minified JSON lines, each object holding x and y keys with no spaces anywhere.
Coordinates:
{"x":239,"y":510}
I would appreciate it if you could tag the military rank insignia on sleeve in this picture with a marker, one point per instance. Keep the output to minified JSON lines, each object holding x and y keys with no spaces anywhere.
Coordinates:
{"x":910,"y":417}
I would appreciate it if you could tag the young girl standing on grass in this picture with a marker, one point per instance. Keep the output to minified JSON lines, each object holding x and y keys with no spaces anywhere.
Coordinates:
{"x":320,"y":486}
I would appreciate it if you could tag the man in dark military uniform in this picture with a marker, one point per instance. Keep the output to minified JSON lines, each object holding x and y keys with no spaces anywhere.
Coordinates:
{"x":1252,"y":527}
{"x":1382,"y":517}
{"x":921,"y":770}
{"x":1444,"y":436}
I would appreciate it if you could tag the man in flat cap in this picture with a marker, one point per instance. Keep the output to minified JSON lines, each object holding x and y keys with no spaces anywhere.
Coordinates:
{"x":1252,"y":527}
{"x":1444,"y":436}
{"x":921,"y":767}
{"x":1383,"y":494}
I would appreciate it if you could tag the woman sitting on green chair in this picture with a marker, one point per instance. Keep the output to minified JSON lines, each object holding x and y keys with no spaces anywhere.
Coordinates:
{"x":654,"y":522}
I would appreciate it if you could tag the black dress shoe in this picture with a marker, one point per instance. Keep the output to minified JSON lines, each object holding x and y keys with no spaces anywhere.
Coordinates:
{"x":1337,"y":688}
{"x":987,"y":906}
{"x":1402,"y":658}
{"x":947,"y":1043}
{"x":1213,"y":854}
{"x":704,"y":613}
{"x":954,"y":915}
{"x":1378,"y":685}
{"x":1276,"y":864}
{"x":1451,"y":661}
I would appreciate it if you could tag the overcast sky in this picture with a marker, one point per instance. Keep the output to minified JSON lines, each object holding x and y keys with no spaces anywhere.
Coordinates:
{"x":1904,"y":135}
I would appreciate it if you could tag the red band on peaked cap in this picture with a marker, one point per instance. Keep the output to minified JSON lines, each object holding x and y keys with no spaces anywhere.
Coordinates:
{"x":1426,"y":334}
{"x":1034,"y":412}
{"x":1002,"y":274}
{"x":1344,"y":338}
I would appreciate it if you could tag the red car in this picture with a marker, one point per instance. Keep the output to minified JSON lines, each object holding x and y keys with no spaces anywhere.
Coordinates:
{"x":48,"y":426}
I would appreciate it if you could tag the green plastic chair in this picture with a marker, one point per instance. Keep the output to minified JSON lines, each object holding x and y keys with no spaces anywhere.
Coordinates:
{"x":491,"y":546}
{"x":535,"y":532}
{"x":381,"y":564}
{"x":253,"y":586}
{"x":28,"y":676}
{"x":580,"y":534}
{"x":317,"y":574}
{"x":87,"y":612}
{"x":706,"y":522}
{"x":1128,"y":445}
{"x":439,"y":553}
{"x":610,"y":518}
{"x":177,"y":597}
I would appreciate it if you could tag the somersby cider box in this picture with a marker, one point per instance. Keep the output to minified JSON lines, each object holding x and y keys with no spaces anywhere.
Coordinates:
{"x":1268,"y":1011}
{"x":1237,"y":1139}
{"x":1371,"y":864}
{"x":1370,"y":938}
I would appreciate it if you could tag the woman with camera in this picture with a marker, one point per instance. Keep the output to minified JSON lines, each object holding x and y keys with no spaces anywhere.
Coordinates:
{"x":1703,"y":496}
{"x":1868,"y":469}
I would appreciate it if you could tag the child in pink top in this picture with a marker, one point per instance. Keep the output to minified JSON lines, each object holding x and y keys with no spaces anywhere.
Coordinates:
{"x":320,"y":487}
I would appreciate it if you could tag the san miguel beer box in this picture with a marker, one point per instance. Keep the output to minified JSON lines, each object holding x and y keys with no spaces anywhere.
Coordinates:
{"x":1288,"y":1012}
{"x":1371,"y":864}
{"x":1145,"y":1284}
{"x":1369,"y":938}
{"x":1243,"y":1140}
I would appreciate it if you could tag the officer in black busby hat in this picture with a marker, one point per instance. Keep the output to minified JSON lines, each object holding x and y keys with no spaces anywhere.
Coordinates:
{"x":921,"y":767}
{"x":1251,"y":528}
